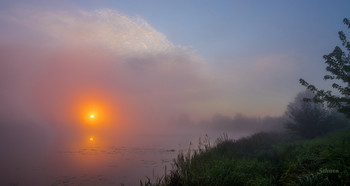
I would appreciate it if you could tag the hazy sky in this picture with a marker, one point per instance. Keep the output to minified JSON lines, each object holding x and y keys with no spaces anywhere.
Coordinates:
{"x":152,"y":73}
{"x":163,"y":59}
{"x":254,"y":51}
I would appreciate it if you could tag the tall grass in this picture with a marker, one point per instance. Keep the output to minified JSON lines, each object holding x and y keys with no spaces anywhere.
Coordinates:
{"x":263,"y":159}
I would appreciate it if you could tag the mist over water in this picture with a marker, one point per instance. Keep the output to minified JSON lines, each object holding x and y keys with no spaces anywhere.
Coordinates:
{"x":59,"y":67}
{"x":35,"y":155}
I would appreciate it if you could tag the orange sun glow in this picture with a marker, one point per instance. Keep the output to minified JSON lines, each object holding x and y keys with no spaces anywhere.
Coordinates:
{"x":91,"y":139}
{"x":95,"y":112}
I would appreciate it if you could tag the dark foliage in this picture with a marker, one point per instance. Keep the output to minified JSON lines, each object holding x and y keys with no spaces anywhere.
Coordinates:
{"x":338,"y":65}
{"x":265,"y":159}
{"x":308,"y":119}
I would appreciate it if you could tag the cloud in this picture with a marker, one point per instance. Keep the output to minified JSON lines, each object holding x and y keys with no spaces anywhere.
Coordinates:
{"x":107,"y":28}
{"x":57,"y":61}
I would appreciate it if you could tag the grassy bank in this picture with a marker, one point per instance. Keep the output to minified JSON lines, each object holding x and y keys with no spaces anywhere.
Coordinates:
{"x":264,"y":159}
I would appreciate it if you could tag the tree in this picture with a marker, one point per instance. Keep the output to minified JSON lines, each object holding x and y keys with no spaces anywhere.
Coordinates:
{"x":338,"y":65}
{"x":311,"y":119}
{"x":308,"y":119}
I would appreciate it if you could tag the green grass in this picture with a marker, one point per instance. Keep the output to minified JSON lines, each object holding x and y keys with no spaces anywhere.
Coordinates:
{"x":264,"y":159}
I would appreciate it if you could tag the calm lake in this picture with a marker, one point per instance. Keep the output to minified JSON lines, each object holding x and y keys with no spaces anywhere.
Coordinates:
{"x":29,"y":157}
{"x":88,"y":166}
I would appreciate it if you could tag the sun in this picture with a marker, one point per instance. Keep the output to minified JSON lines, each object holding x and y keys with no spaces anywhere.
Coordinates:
{"x":92,"y":116}
{"x":91,"y":139}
